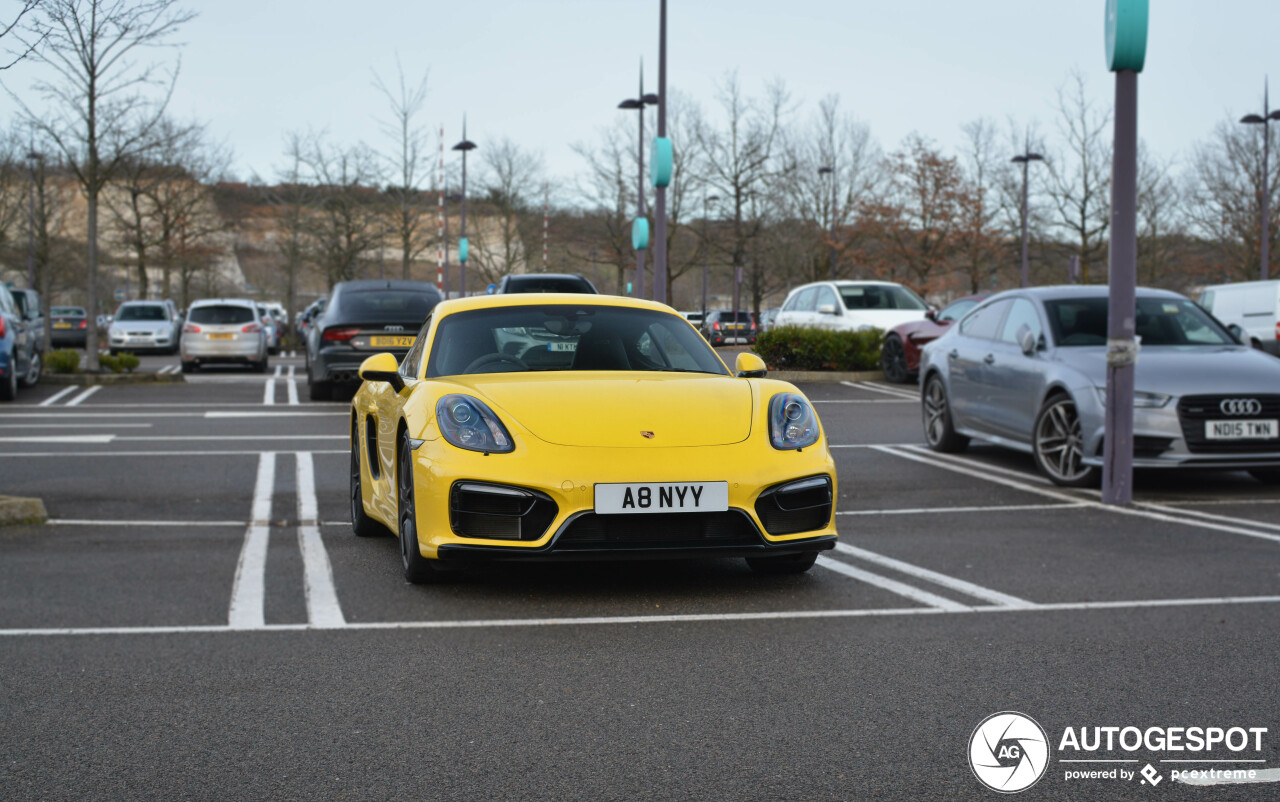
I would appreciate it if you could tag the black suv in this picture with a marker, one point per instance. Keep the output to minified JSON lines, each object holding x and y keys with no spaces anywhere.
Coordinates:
{"x":545,"y":282}
{"x":726,"y":328}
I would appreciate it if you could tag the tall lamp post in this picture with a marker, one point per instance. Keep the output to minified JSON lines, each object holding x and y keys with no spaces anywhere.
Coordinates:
{"x":637,"y":104}
{"x":1265,"y":121}
{"x":827,"y":170}
{"x":34,"y":158}
{"x":706,"y":200}
{"x":660,"y":166}
{"x":1025,"y":159}
{"x":463,"y":247}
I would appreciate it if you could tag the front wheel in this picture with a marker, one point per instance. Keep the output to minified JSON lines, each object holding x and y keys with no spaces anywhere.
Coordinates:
{"x":9,"y":384}
{"x":361,"y":524}
{"x":784,"y":564}
{"x":939,"y":432}
{"x":893,"y":360}
{"x":418,"y":570}
{"x":1058,"y":445}
{"x":33,"y":371}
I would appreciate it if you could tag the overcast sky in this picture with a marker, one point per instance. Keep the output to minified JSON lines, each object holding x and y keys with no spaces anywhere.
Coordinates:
{"x":551,"y":72}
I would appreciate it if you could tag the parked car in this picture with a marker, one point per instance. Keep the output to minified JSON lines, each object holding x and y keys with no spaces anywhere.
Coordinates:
{"x":694,"y":318}
{"x":461,"y":448}
{"x":900,"y":352}
{"x":69,"y":327}
{"x":271,"y":328}
{"x":363,"y":318}
{"x":142,"y":326}
{"x":20,"y":356}
{"x":723,"y":327}
{"x":545,"y":282}
{"x":28,"y":303}
{"x":308,"y":315}
{"x":768,"y":316}
{"x":851,"y":305}
{"x":221,"y":331}
{"x":1027,"y":370}
{"x":1254,"y":306}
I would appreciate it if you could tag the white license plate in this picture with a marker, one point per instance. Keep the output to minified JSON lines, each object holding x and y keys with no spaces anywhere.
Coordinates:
{"x":618,"y":499}
{"x":1241,"y":429}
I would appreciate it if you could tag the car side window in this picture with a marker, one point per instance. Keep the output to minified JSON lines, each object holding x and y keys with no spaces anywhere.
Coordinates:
{"x":955,"y":311}
{"x":411,"y":365}
{"x":826,"y":297}
{"x":806,"y":302}
{"x":1023,"y":312}
{"x":983,"y":323}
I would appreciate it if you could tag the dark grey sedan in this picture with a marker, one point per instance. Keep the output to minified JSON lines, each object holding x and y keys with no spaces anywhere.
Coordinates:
{"x":1027,"y":370}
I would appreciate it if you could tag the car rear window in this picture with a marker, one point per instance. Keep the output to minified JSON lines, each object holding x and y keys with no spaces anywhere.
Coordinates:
{"x":546,"y":284}
{"x":142,"y":312}
{"x":730,"y":317}
{"x":386,"y":306}
{"x":880,"y":296}
{"x":224,"y":314}
{"x":67,"y":311}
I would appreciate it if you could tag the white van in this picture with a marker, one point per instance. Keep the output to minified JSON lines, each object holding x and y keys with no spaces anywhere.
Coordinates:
{"x":1253,"y":306}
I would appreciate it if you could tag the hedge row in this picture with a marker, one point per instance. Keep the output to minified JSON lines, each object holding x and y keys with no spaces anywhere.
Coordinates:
{"x":807,"y":348}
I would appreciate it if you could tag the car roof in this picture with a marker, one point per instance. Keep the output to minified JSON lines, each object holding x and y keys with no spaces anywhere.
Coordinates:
{"x":1061,"y":291}
{"x":384,"y":284}
{"x":546,"y":299}
{"x":222,"y":302}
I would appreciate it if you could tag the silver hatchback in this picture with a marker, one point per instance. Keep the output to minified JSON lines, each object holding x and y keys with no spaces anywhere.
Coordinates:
{"x":222,"y":331}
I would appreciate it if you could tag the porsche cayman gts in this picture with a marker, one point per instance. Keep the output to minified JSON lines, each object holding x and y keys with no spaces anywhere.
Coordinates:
{"x":563,"y":427}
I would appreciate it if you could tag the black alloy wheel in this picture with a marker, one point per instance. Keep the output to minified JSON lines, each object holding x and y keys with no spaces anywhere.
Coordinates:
{"x":418,"y":570}
{"x":939,"y":432}
{"x":893,"y":360}
{"x":361,"y":524}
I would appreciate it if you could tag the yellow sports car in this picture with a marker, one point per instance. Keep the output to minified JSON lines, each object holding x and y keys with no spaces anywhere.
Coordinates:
{"x":528,"y":427}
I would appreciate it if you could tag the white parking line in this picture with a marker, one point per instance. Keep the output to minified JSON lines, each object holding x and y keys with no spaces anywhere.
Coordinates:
{"x":954,"y":583}
{"x":269,"y":392}
{"x":75,"y":425}
{"x":860,"y":400}
{"x":279,"y":370}
{"x":248,"y":592}
{"x":292,"y":368}
{"x":1209,"y":516}
{"x":782,"y":615}
{"x":78,"y":400}
{"x":949,"y":510}
{"x":292,"y":354}
{"x":264,"y":414}
{"x":292,"y":387}
{"x":53,"y":399}
{"x":226,"y":453}
{"x":878,"y":388}
{"x":78,"y":439}
{"x":891,"y":585}
{"x":162,"y":438}
{"x":175,"y":524}
{"x":323,"y":610}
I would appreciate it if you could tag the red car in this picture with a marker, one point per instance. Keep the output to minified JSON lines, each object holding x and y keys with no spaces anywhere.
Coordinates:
{"x":900,"y":354}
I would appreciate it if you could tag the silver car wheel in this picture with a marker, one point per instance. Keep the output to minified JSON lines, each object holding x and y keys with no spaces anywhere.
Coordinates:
{"x":935,"y":412}
{"x":1059,"y":442}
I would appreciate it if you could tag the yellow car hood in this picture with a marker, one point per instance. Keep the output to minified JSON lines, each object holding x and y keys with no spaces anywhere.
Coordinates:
{"x":615,"y":409}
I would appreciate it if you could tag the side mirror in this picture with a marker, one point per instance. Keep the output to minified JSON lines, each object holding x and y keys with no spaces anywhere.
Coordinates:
{"x":382,"y":368}
{"x":1237,"y":332}
{"x":749,"y":366}
{"x":1026,"y":340}
{"x":827,"y":309}
{"x":931,"y":314}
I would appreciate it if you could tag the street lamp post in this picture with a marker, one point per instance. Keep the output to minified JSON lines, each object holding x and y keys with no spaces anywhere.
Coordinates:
{"x":1025,"y":159}
{"x":637,"y":104}
{"x":706,"y":199}
{"x":662,"y":164}
{"x":34,"y":158}
{"x":464,"y":146}
{"x":831,"y":267}
{"x":1265,"y":121}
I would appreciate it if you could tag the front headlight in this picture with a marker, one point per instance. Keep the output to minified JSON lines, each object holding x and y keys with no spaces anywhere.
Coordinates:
{"x":468,"y":423}
{"x":1141,"y":400}
{"x":792,"y":422}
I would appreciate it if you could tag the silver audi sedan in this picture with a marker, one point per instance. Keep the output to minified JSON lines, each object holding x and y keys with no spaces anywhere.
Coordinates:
{"x":1027,"y":370}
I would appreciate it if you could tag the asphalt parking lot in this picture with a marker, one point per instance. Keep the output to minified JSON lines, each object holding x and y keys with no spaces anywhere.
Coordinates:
{"x":197,"y":621}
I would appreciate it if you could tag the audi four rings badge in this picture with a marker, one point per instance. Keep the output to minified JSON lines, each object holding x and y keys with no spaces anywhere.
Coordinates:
{"x":1240,"y":406}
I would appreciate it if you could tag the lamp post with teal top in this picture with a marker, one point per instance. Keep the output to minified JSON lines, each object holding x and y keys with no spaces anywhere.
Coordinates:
{"x":464,"y":146}
{"x":1126,"y":37}
{"x":640,"y":239}
{"x":660,"y":167}
{"x":1265,"y":121}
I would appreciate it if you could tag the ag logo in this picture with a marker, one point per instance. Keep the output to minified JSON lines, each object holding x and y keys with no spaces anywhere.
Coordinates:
{"x":1008,"y":752}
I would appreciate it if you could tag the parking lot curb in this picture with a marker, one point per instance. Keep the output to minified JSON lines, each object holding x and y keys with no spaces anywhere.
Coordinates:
{"x":18,"y":510}
{"x":826,"y":375}
{"x":112,"y":378}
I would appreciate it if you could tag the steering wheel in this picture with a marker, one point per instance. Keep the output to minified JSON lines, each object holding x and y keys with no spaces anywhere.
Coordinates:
{"x":501,"y":358}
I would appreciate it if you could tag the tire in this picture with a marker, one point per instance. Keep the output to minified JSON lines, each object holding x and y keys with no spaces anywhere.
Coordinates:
{"x":9,"y":384}
{"x":361,"y":524}
{"x":34,"y":370}
{"x":190,"y":367}
{"x":1058,"y":446}
{"x":785,"y":564}
{"x":1268,"y":476}
{"x":935,"y":408}
{"x":418,"y":570}
{"x":318,"y":391}
{"x":893,"y":360}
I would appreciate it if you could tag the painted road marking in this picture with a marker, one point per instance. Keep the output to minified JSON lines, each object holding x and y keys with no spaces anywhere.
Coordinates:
{"x":954,"y":583}
{"x":165,"y":437}
{"x":948,"y":510}
{"x":1207,"y":516}
{"x":891,"y":585}
{"x":75,"y":425}
{"x":226,"y":453}
{"x":279,"y":370}
{"x":292,"y":388}
{"x":292,"y":368}
{"x":78,"y":400}
{"x":323,"y":610}
{"x":264,"y":414}
{"x":79,"y":439}
{"x":662,"y":619}
{"x":248,"y":592}
{"x":883,"y":390}
{"x":861,"y":401}
{"x":53,"y":399}
{"x":174,"y":524}
{"x":269,"y":392}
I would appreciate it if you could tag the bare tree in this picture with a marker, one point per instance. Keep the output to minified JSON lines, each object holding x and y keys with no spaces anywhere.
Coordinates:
{"x":979,"y":241}
{"x":293,"y":201}
{"x":103,"y":108}
{"x":1160,"y":221}
{"x":511,"y":178}
{"x":1079,"y":176}
{"x":608,"y":188}
{"x":344,"y":220}
{"x":10,"y":32}
{"x":409,"y":163}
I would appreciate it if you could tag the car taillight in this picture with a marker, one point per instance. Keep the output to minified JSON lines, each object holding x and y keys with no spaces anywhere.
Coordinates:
{"x":1278,"y":331}
{"x":339,"y":335}
{"x":84,"y":324}
{"x":190,"y":328}
{"x":716,"y":326}
{"x":753,"y":325}
{"x":251,"y":328}
{"x":1,"y":327}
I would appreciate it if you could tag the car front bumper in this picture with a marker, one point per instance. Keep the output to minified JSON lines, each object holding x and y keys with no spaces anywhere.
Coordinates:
{"x":1159,"y":442}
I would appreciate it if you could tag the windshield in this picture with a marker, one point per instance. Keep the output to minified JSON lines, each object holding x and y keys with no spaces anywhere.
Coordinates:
{"x":220,"y":315}
{"x":538,"y":338}
{"x":881,"y":296}
{"x":1160,"y":321}
{"x":153,"y":312}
